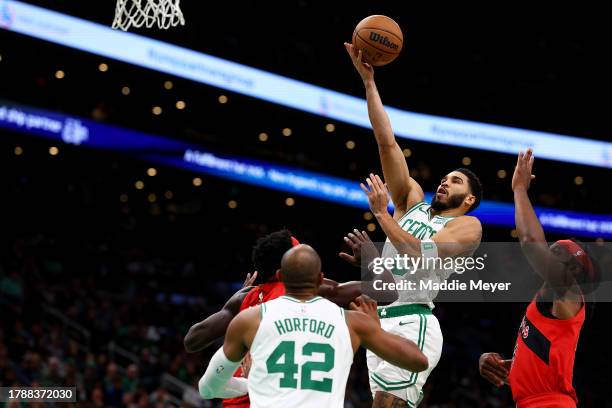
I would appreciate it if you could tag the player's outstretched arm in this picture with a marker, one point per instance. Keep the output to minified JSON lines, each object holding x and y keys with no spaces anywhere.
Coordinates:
{"x":405,"y":191}
{"x":201,"y":335}
{"x":218,"y":380}
{"x":341,"y":294}
{"x":528,"y":226}
{"x":366,"y":331}
{"x":530,"y":231}
{"x":344,"y":293}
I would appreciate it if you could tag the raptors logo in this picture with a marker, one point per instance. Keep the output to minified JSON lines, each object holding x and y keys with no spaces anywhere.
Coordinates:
{"x":524,"y":329}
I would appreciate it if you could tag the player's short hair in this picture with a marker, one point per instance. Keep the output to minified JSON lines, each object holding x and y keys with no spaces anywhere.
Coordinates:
{"x":268,"y":252}
{"x":475,"y":186}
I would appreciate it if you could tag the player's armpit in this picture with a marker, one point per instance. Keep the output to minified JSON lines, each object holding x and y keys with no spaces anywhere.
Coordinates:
{"x":415,"y":194}
{"x":460,"y":236}
{"x":201,"y":335}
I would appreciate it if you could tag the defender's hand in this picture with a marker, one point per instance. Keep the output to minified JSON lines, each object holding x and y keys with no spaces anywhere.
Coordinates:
{"x":493,"y":369}
{"x":250,"y":279}
{"x":362,"y":246}
{"x":366,"y":305}
{"x":365,"y":70}
{"x":522,"y":172}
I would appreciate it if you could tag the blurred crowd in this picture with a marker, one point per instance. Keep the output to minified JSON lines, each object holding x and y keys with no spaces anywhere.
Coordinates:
{"x":61,"y":330}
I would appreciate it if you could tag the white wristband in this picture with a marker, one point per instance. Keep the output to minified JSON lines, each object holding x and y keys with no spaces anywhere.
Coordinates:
{"x":429,"y":249}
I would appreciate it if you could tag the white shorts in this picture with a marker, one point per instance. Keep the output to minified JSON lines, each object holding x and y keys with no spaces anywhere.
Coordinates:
{"x":414,"y":322}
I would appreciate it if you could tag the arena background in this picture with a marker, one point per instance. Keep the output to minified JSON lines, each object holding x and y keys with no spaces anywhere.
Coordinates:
{"x":100,"y":276}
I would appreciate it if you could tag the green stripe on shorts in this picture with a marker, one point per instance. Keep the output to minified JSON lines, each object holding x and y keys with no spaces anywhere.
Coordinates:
{"x":405,"y":382}
{"x":385,"y":387}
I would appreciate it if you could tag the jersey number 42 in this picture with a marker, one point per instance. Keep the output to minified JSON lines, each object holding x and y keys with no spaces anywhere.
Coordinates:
{"x":289,"y":369}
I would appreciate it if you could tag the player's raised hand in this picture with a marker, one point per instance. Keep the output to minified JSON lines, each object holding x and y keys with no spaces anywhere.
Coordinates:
{"x":523,"y":171}
{"x":367,"y":305}
{"x":365,"y":70}
{"x":353,"y":240}
{"x":250,"y":279}
{"x":362,"y":247}
{"x":378,"y":195}
{"x":494,"y":369}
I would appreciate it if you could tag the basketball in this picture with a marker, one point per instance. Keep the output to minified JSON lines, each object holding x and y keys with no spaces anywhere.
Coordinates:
{"x":379,"y":38}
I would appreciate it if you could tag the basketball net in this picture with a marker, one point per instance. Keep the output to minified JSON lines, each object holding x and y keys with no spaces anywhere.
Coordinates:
{"x":139,"y":13}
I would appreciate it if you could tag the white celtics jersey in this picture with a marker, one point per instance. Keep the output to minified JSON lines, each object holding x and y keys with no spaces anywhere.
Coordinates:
{"x":419,"y":223}
{"x":301,"y":355}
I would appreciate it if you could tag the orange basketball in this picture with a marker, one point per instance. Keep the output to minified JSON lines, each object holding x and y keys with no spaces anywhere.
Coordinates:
{"x":379,"y":38}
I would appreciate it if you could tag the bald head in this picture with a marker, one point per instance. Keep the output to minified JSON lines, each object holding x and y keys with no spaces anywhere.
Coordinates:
{"x":301,"y":268}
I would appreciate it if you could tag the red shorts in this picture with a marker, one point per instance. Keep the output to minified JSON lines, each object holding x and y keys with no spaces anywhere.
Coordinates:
{"x":547,"y":400}
{"x":231,"y":403}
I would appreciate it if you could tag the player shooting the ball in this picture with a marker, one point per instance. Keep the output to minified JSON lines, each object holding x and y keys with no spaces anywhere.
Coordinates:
{"x":437,"y":229}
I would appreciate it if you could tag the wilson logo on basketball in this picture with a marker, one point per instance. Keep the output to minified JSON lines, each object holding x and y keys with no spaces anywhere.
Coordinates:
{"x":381,"y":39}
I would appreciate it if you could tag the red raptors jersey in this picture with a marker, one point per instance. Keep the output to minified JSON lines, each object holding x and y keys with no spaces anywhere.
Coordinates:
{"x":263,"y":293}
{"x":256,"y":296}
{"x":543,"y":364}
